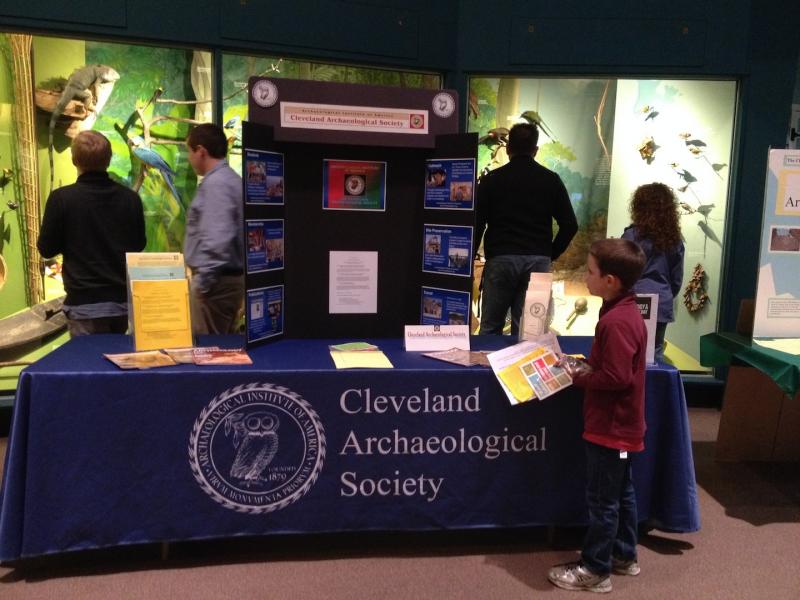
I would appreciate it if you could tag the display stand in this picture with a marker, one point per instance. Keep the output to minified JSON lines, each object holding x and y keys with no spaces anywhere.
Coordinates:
{"x":381,"y":210}
{"x":158,"y":294}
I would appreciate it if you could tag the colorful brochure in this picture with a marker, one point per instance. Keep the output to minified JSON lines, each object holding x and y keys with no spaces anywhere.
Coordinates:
{"x":527,"y":371}
{"x":221,"y":356}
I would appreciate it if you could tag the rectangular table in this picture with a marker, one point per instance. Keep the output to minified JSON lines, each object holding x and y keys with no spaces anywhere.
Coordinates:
{"x":100,"y":457}
{"x":761,"y":406}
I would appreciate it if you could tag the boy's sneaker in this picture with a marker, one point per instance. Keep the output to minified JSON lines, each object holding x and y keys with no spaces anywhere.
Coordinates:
{"x":625,"y":567}
{"x":574,"y":576}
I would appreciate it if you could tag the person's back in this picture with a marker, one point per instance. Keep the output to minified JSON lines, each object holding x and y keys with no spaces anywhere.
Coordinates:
{"x":93,"y":223}
{"x":516,"y":204}
{"x":656,"y":228}
{"x":521,"y":200}
{"x":100,"y":221}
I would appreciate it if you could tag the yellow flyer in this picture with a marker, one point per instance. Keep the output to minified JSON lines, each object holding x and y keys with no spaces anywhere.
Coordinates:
{"x":161,"y":316}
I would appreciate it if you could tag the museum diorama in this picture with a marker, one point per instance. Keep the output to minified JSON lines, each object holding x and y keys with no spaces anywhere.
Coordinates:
{"x":605,"y":137}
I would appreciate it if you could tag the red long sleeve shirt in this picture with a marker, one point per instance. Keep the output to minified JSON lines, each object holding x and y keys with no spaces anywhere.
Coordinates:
{"x":613,"y":405}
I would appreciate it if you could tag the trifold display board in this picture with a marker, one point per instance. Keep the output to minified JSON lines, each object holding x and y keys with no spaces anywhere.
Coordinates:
{"x":359,"y":210}
{"x":777,"y":311}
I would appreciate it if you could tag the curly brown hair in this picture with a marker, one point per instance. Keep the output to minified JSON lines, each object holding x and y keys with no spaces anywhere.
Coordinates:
{"x":654,"y":212}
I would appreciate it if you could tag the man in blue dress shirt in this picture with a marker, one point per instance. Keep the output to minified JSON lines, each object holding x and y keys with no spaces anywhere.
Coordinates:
{"x":213,"y":246}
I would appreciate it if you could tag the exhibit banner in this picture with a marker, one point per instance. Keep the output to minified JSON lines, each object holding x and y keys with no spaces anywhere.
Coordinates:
{"x":339,"y":117}
{"x":265,"y":313}
{"x":450,"y":184}
{"x":353,"y":185}
{"x":777,"y":311}
{"x":265,"y":243}
{"x":444,"y":307}
{"x":447,"y":249}
{"x":263,"y":173}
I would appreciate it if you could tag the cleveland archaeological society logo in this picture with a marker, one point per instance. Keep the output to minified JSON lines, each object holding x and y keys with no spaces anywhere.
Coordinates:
{"x":257,"y":448}
{"x":265,"y":93}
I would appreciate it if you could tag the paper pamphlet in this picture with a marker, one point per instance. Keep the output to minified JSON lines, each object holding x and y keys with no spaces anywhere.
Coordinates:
{"x":141,"y":360}
{"x":353,"y":347}
{"x":359,"y":359}
{"x":458,"y":356}
{"x":184,"y":355}
{"x":221,"y":356}
{"x":155,"y":265}
{"x":161,"y":313}
{"x":527,"y":371}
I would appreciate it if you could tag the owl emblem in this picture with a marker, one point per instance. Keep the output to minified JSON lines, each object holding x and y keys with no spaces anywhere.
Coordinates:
{"x":256,"y":443}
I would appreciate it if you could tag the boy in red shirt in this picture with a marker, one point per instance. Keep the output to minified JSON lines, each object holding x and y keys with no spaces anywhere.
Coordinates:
{"x":613,"y":415}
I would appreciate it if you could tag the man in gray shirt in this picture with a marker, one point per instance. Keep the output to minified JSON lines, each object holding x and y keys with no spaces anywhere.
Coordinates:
{"x":213,"y":246}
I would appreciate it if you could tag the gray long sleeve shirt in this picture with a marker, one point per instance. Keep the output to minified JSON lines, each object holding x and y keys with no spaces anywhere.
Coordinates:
{"x":213,"y":243}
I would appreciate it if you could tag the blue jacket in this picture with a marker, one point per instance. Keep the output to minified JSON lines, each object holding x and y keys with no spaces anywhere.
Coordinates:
{"x":662,"y":275}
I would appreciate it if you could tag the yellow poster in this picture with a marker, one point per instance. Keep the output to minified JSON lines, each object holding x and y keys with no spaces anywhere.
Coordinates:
{"x":161,"y":317}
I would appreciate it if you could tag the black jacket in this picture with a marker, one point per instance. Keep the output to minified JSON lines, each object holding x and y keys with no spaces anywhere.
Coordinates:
{"x":93,"y":223}
{"x":518,"y":202}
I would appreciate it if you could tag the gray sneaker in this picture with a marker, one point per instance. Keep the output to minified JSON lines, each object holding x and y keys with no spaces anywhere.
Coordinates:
{"x":574,"y":576}
{"x":625,"y":567}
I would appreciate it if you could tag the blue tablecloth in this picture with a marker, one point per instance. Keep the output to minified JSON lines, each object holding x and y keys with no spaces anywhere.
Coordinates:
{"x":101,"y":457}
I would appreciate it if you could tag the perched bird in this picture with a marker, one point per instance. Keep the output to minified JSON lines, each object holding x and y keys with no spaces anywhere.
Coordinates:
{"x":687,"y":210}
{"x":498,"y":135}
{"x":705,"y":209}
{"x":5,"y":178}
{"x":153,"y":159}
{"x":686,"y":176}
{"x":532,"y":117}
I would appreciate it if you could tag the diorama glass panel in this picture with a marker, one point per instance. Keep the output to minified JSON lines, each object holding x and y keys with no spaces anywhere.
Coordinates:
{"x":605,"y":137}
{"x":145,"y":107}
{"x":238,"y":68}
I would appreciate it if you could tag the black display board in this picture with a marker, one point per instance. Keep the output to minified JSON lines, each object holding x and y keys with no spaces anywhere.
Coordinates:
{"x":311,"y":232}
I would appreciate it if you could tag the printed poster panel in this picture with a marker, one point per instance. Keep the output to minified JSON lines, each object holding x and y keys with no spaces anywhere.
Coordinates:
{"x":444,"y":307}
{"x":265,"y":313}
{"x":447,"y":249}
{"x":450,"y":184}
{"x":777,"y":313}
{"x":264,"y":245}
{"x":353,"y":185}
{"x":263,"y":173}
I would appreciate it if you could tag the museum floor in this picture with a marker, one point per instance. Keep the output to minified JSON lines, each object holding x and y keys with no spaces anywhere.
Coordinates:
{"x":747,"y":548}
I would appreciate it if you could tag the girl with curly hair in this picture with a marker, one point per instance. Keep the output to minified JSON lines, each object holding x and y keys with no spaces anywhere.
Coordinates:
{"x":656,"y":228}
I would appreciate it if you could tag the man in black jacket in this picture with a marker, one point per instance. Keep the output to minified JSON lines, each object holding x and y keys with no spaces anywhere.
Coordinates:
{"x":93,"y":223}
{"x":517,"y":204}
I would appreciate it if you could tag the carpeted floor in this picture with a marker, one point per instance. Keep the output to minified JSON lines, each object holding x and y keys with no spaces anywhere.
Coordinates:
{"x":747,"y":548}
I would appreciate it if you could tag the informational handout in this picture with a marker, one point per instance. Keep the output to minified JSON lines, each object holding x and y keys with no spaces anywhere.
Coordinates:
{"x":353,"y":286}
{"x":527,"y":371}
{"x":161,"y":314}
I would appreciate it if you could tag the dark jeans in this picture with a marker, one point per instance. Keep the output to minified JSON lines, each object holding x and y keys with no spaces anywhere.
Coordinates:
{"x":505,"y":281}
{"x":611,"y":501}
{"x":79,"y":327}
{"x":661,"y":330}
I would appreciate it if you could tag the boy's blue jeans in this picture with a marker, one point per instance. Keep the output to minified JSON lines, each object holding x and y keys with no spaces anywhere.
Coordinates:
{"x":505,"y":282}
{"x":611,"y":501}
